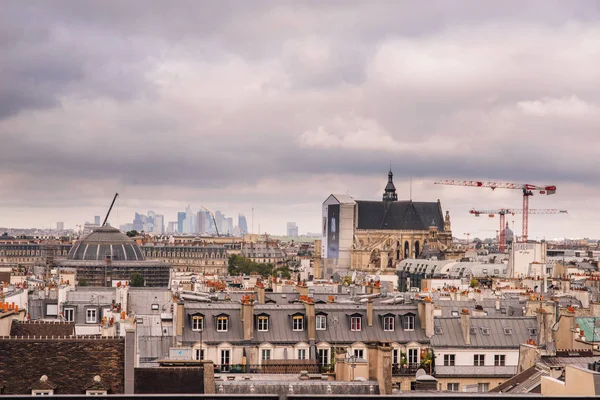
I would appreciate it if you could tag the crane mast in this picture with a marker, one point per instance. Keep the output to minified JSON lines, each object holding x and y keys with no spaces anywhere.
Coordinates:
{"x":109,"y":209}
{"x":526,"y":188}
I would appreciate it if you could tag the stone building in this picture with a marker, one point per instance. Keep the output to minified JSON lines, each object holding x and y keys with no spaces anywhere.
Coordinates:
{"x":374,"y":235}
{"x":207,"y":259}
{"x":107,"y":256}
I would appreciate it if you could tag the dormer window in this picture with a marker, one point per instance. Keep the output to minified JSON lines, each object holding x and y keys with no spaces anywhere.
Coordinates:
{"x":91,"y":316}
{"x":297,"y":323}
{"x":409,"y":322}
{"x":485,"y":331}
{"x":263,"y":323}
{"x":532,"y":331}
{"x":222,"y":323}
{"x":355,"y":324}
{"x":197,"y":323}
{"x":388,"y":323}
{"x":321,"y":322}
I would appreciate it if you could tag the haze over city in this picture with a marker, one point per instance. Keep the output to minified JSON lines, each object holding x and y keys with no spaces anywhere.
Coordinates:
{"x":277,"y":104}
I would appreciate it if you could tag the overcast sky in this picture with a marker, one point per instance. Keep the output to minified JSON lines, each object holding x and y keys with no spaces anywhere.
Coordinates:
{"x":277,"y":104}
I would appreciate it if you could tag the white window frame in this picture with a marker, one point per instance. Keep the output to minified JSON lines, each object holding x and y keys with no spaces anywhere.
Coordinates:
{"x":359,"y":353}
{"x":263,"y":323}
{"x":95,"y":393}
{"x":324,"y":360}
{"x":408,"y":322}
{"x":453,"y":387}
{"x":71,"y":311}
{"x":412,"y":356}
{"x":197,"y":323}
{"x":483,"y":387}
{"x":389,"y":323}
{"x":355,"y":324}
{"x":266,"y":354}
{"x":298,"y":323}
{"x":449,"y":360}
{"x":478,"y":360}
{"x":88,"y":319}
{"x":49,"y":392}
{"x":301,"y":354}
{"x":499,"y":360}
{"x":321,"y":323}
{"x":222,"y":324}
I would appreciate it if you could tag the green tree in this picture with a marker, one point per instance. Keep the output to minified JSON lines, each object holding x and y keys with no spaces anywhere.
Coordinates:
{"x":132,"y":233}
{"x":5,"y":234}
{"x":239,"y":265}
{"x":136,"y":280}
{"x":474,"y":283}
{"x":83,"y":282}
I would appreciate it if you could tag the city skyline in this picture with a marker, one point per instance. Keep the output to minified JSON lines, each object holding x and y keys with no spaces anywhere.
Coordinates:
{"x":275,"y":105}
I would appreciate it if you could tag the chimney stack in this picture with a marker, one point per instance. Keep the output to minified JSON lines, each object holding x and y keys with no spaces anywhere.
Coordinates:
{"x":369,"y":312}
{"x":179,"y":319}
{"x":260,"y":293}
{"x":248,"y":316}
{"x":302,"y":289}
{"x":465,"y":324}
{"x":425,"y":310}
{"x":310,"y":317}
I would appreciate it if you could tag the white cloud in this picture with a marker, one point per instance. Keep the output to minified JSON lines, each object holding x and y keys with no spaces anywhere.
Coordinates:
{"x":563,"y":107}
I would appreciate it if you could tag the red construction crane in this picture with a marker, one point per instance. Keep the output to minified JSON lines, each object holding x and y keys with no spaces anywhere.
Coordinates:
{"x":503,"y":211}
{"x":527,"y":189}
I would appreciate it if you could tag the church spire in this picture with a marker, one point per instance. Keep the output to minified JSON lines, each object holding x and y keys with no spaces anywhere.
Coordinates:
{"x":390,"y":189}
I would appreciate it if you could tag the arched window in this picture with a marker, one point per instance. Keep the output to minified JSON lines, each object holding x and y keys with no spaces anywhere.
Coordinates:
{"x":406,"y":254}
{"x":417,"y":249}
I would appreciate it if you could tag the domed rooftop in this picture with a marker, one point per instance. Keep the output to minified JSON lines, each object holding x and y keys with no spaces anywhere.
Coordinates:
{"x":106,"y":242}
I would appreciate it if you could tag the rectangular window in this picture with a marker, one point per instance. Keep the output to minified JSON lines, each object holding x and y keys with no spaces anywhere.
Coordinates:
{"x":298,"y":323}
{"x":479,"y":360}
{"x":199,"y":354}
{"x":413,"y":356}
{"x":263,"y":324}
{"x":359,"y":353}
{"x":222,"y":324}
{"x":225,"y":360}
{"x":355,"y":324}
{"x":69,"y":314}
{"x":396,"y":357}
{"x":265,"y":354}
{"x":483,"y":387}
{"x":409,"y":322}
{"x":197,"y":323}
{"x":500,"y":360}
{"x":321,"y":322}
{"x":301,"y":354}
{"x":452,"y":387}
{"x":388,"y":324}
{"x":324,"y":357}
{"x":90,"y":316}
{"x":449,"y":360}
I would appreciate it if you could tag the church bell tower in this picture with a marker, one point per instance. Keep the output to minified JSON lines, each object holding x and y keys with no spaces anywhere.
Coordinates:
{"x":390,"y":189}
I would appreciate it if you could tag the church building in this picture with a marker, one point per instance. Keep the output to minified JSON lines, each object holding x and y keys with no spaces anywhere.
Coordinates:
{"x":372,"y":236}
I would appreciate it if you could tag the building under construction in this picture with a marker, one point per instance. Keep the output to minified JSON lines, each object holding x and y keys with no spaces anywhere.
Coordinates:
{"x":107,"y":256}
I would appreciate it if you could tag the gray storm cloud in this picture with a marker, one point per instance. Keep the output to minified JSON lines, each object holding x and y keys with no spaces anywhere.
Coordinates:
{"x":280,"y":103}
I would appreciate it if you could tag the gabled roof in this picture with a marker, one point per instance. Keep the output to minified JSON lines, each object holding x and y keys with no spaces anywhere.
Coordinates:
{"x":399,"y":215}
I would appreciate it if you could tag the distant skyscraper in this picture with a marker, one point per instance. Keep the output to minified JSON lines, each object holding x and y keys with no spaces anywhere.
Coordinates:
{"x":172,"y":227}
{"x":228,"y":222}
{"x":188,"y":222}
{"x":292,"y":229}
{"x":180,"y":219}
{"x":242,"y":224}
{"x":219,"y":217}
{"x":60,"y":226}
{"x":159,"y":224}
{"x":97,"y":220}
{"x":201,"y":222}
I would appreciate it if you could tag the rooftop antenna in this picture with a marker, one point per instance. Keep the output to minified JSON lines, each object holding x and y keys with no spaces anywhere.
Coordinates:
{"x":410,"y":191}
{"x":110,"y":208}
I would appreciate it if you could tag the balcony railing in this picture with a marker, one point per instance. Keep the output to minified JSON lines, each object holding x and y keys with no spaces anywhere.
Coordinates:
{"x":469,"y":370}
{"x":270,"y":368}
{"x":405,"y":369}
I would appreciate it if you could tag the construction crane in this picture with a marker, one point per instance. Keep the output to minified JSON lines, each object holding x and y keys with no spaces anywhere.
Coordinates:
{"x":110,"y":208}
{"x":512,"y":211}
{"x":213,"y":218}
{"x":526,"y":188}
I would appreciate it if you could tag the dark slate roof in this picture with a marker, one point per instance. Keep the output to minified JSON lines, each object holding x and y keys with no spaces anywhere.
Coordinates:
{"x":39,"y":329}
{"x":528,"y":381}
{"x":103,"y":242}
{"x":508,"y":308}
{"x":398,"y":215}
{"x":451,"y":332}
{"x":69,"y":363}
